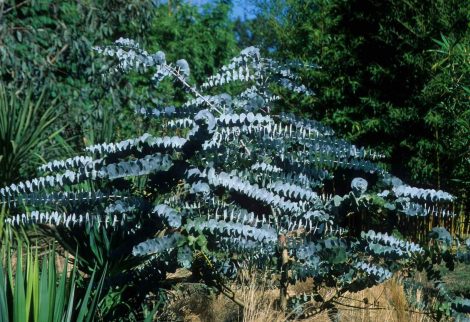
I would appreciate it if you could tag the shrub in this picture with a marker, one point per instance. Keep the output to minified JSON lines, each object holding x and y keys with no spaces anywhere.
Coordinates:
{"x":230,"y":184}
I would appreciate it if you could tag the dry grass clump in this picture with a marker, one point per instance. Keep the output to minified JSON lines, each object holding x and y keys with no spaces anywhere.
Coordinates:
{"x":382,"y":303}
{"x":259,"y":299}
{"x":193,"y":302}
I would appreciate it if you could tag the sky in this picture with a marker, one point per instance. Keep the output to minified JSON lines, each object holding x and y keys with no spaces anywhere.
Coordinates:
{"x":241,"y":8}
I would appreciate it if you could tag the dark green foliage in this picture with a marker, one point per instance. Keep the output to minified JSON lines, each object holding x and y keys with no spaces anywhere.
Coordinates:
{"x":448,"y":116}
{"x":203,"y":36}
{"x":48,"y":43}
{"x":394,"y":76}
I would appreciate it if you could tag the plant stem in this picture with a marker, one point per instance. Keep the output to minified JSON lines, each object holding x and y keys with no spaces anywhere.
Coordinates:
{"x":284,"y":273}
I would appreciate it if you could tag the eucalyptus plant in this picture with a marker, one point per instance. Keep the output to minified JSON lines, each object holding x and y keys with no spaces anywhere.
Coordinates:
{"x":225,"y":183}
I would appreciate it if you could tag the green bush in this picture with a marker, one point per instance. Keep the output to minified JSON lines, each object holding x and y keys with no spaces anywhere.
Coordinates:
{"x":229,"y":184}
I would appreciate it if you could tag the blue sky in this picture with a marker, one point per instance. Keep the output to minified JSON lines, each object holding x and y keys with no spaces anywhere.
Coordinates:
{"x":241,"y":8}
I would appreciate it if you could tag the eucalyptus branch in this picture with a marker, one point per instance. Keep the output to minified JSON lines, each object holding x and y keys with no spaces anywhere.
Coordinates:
{"x":175,"y":72}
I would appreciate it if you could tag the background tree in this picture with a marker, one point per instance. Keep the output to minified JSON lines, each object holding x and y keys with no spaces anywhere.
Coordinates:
{"x":447,"y":96}
{"x":49,"y":43}
{"x":203,"y":35}
{"x":379,"y":73}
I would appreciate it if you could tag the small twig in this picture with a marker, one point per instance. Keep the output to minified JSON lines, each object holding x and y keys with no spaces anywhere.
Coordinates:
{"x":385,"y":308}
{"x":230,"y":294}
{"x":220,"y":285}
{"x":360,"y":307}
{"x":14,"y":7}
{"x":19,"y":28}
{"x":192,"y":89}
{"x":322,"y":307}
{"x":246,"y":148}
{"x":350,"y":298}
{"x":52,"y":61}
{"x":376,"y":308}
{"x":376,"y":299}
{"x":2,"y":4}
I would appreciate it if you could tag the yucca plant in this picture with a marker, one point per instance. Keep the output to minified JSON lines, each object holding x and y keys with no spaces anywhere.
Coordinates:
{"x":25,"y":126}
{"x":33,"y":289}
